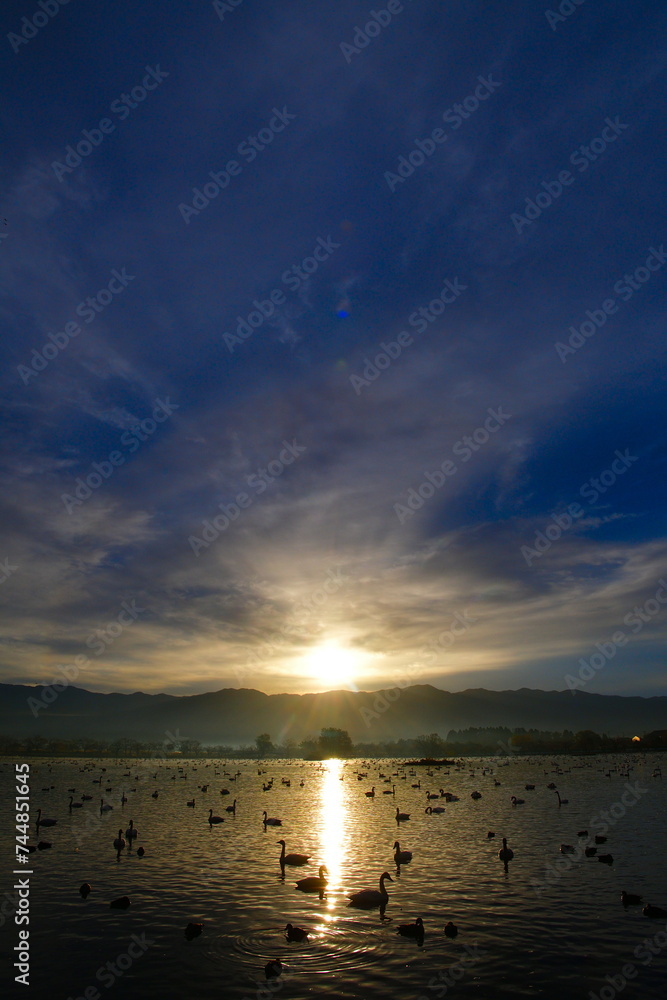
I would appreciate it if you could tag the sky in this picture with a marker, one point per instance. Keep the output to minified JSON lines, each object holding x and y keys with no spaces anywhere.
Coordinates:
{"x":333,"y":345}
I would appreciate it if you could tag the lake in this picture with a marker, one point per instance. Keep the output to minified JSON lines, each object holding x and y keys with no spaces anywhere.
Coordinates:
{"x":551,"y":925}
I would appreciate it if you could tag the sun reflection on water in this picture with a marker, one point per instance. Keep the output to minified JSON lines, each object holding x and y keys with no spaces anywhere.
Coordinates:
{"x":333,"y":827}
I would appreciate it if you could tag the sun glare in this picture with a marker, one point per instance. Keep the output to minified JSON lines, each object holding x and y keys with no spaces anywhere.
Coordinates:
{"x":333,"y":664}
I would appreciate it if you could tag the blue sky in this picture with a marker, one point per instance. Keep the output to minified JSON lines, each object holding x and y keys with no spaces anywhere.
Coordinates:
{"x":452,"y":197}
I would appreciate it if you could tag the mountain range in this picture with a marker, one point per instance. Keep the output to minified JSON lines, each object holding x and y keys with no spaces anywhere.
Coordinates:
{"x":235,"y":716}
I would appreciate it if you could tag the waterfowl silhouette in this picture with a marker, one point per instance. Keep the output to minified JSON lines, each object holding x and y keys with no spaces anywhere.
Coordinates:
{"x":214,"y":819}
{"x":475,"y":795}
{"x":232,"y":808}
{"x":630,"y":899}
{"x":654,"y":911}
{"x":85,"y":890}
{"x":191,"y":803}
{"x":401,"y":817}
{"x":271,"y":820}
{"x":371,"y":794}
{"x":599,"y":839}
{"x":590,"y":852}
{"x":401,"y":857}
{"x":131,"y":831}
{"x":73,"y":804}
{"x":313,"y":883}
{"x":44,"y":845}
{"x":370,"y":899}
{"x":561,"y":802}
{"x":105,"y":808}
{"x":505,"y":853}
{"x":491,"y":834}
{"x":44,"y":822}
{"x":274,"y":968}
{"x":292,"y":859}
{"x":451,"y":930}
{"x":119,"y":842}
{"x":415,"y":930}
{"x":515,"y":801}
{"x":295,"y":933}
{"x":140,"y":852}
{"x":121,"y":903}
{"x":193,"y":930}
{"x":607,"y":859}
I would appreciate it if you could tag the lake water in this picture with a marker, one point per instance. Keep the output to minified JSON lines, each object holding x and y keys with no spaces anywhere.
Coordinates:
{"x":530,"y":931}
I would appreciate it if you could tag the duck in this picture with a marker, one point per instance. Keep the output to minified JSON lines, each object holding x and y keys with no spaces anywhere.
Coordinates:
{"x":475,"y":795}
{"x":271,"y":820}
{"x":529,"y":788}
{"x":155,"y":794}
{"x":654,"y":911}
{"x":599,"y":839}
{"x":370,"y":899}
{"x":582,"y":833}
{"x":515,"y":801}
{"x":607,"y":859}
{"x":295,"y":933}
{"x":214,"y":819}
{"x":140,"y":852}
{"x":274,"y":968}
{"x":292,"y":859}
{"x":451,"y":930}
{"x":491,"y":834}
{"x":313,"y":883}
{"x":85,"y":890}
{"x":590,"y":852}
{"x":73,"y":804}
{"x":131,"y":831}
{"x":44,"y":822}
{"x":415,"y":930}
{"x":630,"y":899}
{"x":401,"y":857}
{"x":552,"y":786}
{"x":119,"y":842}
{"x":232,"y":808}
{"x":561,"y":802}
{"x":401,"y":817}
{"x":505,"y":853}
{"x":193,"y":930}
{"x":121,"y":903}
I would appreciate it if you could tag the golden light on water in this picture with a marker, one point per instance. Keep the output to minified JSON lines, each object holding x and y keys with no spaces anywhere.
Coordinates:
{"x":333,"y":820}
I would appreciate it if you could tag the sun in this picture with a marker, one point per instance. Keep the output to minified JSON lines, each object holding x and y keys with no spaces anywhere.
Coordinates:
{"x":332,"y":663}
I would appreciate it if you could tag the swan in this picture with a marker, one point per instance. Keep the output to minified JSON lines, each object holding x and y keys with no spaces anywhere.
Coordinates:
{"x":566,"y":849}
{"x":654,"y":911}
{"x":371,"y":794}
{"x":271,"y":820}
{"x":401,"y":817}
{"x":401,"y":857}
{"x":491,"y":834}
{"x":516,"y":802}
{"x":630,"y":899}
{"x":552,"y":786}
{"x":121,"y":903}
{"x":418,"y":785}
{"x":154,"y":795}
{"x":232,"y":808}
{"x":451,"y":930}
{"x":73,"y":804}
{"x":599,"y":839}
{"x":415,"y":930}
{"x":582,"y":833}
{"x":392,"y":792}
{"x":590,"y":852}
{"x":140,"y":852}
{"x":505,"y":853}
{"x":191,"y":803}
{"x":561,"y":802}
{"x":131,"y":831}
{"x":193,"y":931}
{"x":313,"y":883}
{"x":292,"y":859}
{"x":529,"y":788}
{"x":214,"y":819}
{"x":607,"y":859}
{"x":44,"y":822}
{"x":432,"y":795}
{"x":85,"y":889}
{"x":105,"y":808}
{"x":86,"y":798}
{"x":370,"y":899}
{"x":274,"y":968}
{"x":475,"y":795}
{"x":43,"y":845}
{"x":434,"y":809}
{"x":295,"y":933}
{"x":119,"y":842}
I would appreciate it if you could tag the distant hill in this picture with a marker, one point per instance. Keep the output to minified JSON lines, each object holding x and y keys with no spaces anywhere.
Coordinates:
{"x":235,"y":716}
